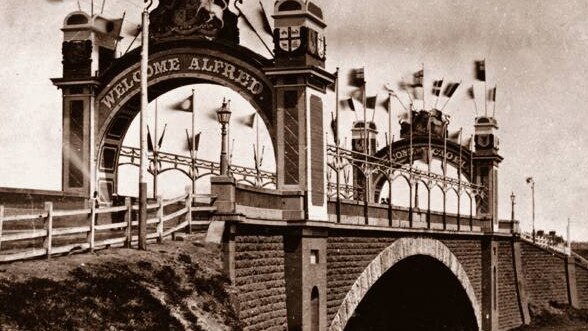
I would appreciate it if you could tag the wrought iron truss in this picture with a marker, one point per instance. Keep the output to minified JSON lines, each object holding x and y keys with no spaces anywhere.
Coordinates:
{"x":194,"y":168}
{"x":345,"y":161}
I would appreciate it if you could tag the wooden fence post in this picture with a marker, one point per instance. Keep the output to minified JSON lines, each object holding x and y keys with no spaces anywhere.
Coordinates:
{"x":160,"y":219}
{"x":49,"y":228}
{"x":129,"y":220}
{"x":189,"y":200}
{"x":92,"y":234}
{"x":1,"y":223}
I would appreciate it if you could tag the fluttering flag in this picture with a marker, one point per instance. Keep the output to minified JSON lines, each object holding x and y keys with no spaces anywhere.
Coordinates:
{"x":350,"y":104}
{"x":386,"y":103}
{"x":249,"y":120}
{"x":492,"y":94}
{"x":149,"y":141}
{"x":450,"y":89}
{"x":437,"y":87}
{"x":267,"y":27}
{"x":417,"y":78}
{"x":184,"y":105}
{"x":403,"y":117}
{"x":160,"y":142}
{"x":196,"y":141}
{"x":418,"y":93}
{"x":370,"y":102}
{"x":471,"y":92}
{"x":481,"y":70}
{"x":454,"y":136}
{"x":468,"y":142}
{"x":357,"y":77}
{"x":116,"y":27}
{"x":334,"y":127}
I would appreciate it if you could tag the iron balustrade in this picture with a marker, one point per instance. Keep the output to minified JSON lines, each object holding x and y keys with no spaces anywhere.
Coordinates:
{"x":194,"y":168}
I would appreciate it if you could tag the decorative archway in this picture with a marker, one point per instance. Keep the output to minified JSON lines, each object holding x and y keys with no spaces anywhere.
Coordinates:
{"x":173,"y":64}
{"x":397,"y":251}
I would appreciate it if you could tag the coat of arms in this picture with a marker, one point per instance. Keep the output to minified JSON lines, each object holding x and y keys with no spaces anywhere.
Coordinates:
{"x":289,"y":38}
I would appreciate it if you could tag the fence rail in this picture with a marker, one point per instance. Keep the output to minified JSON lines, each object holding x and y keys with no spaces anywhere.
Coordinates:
{"x":53,"y":232}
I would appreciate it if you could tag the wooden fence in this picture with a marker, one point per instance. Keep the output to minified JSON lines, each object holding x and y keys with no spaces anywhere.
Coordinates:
{"x":53,"y":232}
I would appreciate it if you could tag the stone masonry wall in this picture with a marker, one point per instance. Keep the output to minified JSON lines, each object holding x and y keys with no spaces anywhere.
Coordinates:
{"x":582,"y":284}
{"x":259,"y":277}
{"x":545,"y":275}
{"x":469,"y":254}
{"x":347,"y":257}
{"x":509,"y":313}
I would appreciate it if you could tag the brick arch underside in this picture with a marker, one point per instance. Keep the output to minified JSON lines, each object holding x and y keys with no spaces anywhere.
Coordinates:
{"x":113,"y":123}
{"x":397,"y":251}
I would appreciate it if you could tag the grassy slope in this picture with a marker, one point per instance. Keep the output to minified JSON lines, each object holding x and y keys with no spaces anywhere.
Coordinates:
{"x":173,"y":286}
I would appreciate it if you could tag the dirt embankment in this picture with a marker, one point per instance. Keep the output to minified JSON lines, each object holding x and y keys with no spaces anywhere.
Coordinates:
{"x":556,"y":317}
{"x":174,"y":286}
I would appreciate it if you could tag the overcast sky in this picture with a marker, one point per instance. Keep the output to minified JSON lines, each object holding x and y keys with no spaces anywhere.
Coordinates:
{"x":535,"y":53}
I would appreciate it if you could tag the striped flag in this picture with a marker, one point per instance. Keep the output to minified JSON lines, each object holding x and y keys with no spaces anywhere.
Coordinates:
{"x":357,"y":77}
{"x":450,"y":89}
{"x":481,"y":70}
{"x":149,"y":141}
{"x":437,"y":87}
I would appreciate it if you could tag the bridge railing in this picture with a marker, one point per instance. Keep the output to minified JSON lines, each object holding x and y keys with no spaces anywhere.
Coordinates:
{"x":52,"y":232}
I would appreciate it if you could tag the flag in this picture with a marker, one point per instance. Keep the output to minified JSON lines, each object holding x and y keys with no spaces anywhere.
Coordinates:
{"x":530,"y":180}
{"x":350,"y":104}
{"x":357,"y":77}
{"x":149,"y":141}
{"x":481,"y":70}
{"x":468,"y":142}
{"x":114,"y":27}
{"x":455,"y":136}
{"x":492,"y":94}
{"x":450,"y":89}
{"x":184,"y":105}
{"x":334,"y":127}
{"x":437,"y":87}
{"x":471,"y":92}
{"x":249,"y":120}
{"x":386,"y":103}
{"x":417,"y":78}
{"x":418,"y":93}
{"x":267,"y":27}
{"x":160,"y":142}
{"x":370,"y":102}
{"x":196,"y":141}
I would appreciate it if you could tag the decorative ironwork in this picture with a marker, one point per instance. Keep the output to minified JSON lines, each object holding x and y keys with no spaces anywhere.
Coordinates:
{"x":202,"y":168}
{"x":368,"y":165}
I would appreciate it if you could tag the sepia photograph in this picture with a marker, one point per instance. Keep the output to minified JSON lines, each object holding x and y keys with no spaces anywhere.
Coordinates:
{"x":302,"y":165}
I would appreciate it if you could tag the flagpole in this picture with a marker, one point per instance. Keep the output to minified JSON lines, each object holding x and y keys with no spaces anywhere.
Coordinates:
{"x":367,"y":148}
{"x":494,"y":98}
{"x":485,"y":91}
{"x":155,"y":153}
{"x":121,"y":23}
{"x":193,"y":151}
{"x":337,"y":149}
{"x":423,"y":83}
{"x":143,"y":130}
{"x":459,"y":180}
{"x":471,"y":158}
{"x":474,"y":100}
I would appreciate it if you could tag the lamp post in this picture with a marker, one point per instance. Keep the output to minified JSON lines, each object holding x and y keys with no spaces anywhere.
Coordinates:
{"x":512,"y":207}
{"x":531,"y":182}
{"x":224,"y":115}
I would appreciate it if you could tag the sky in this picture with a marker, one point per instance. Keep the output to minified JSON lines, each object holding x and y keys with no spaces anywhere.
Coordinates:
{"x":534,"y":51}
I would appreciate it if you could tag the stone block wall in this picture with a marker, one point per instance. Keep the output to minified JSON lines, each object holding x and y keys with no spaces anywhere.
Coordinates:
{"x":260,"y":279}
{"x":582,"y":284}
{"x":545,"y":275}
{"x":347,"y":257}
{"x":469,"y":254}
{"x":509,"y":312}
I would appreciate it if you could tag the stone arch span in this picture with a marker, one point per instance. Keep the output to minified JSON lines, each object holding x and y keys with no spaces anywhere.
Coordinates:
{"x":399,"y":250}
{"x":173,"y":64}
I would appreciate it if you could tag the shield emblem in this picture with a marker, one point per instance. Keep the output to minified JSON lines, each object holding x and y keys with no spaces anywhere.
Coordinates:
{"x":321,"y":46}
{"x":289,"y":38}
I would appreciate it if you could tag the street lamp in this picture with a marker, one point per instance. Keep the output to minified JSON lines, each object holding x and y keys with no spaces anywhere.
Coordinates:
{"x":224,"y":116}
{"x":512,"y":208}
{"x":531,"y":182}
